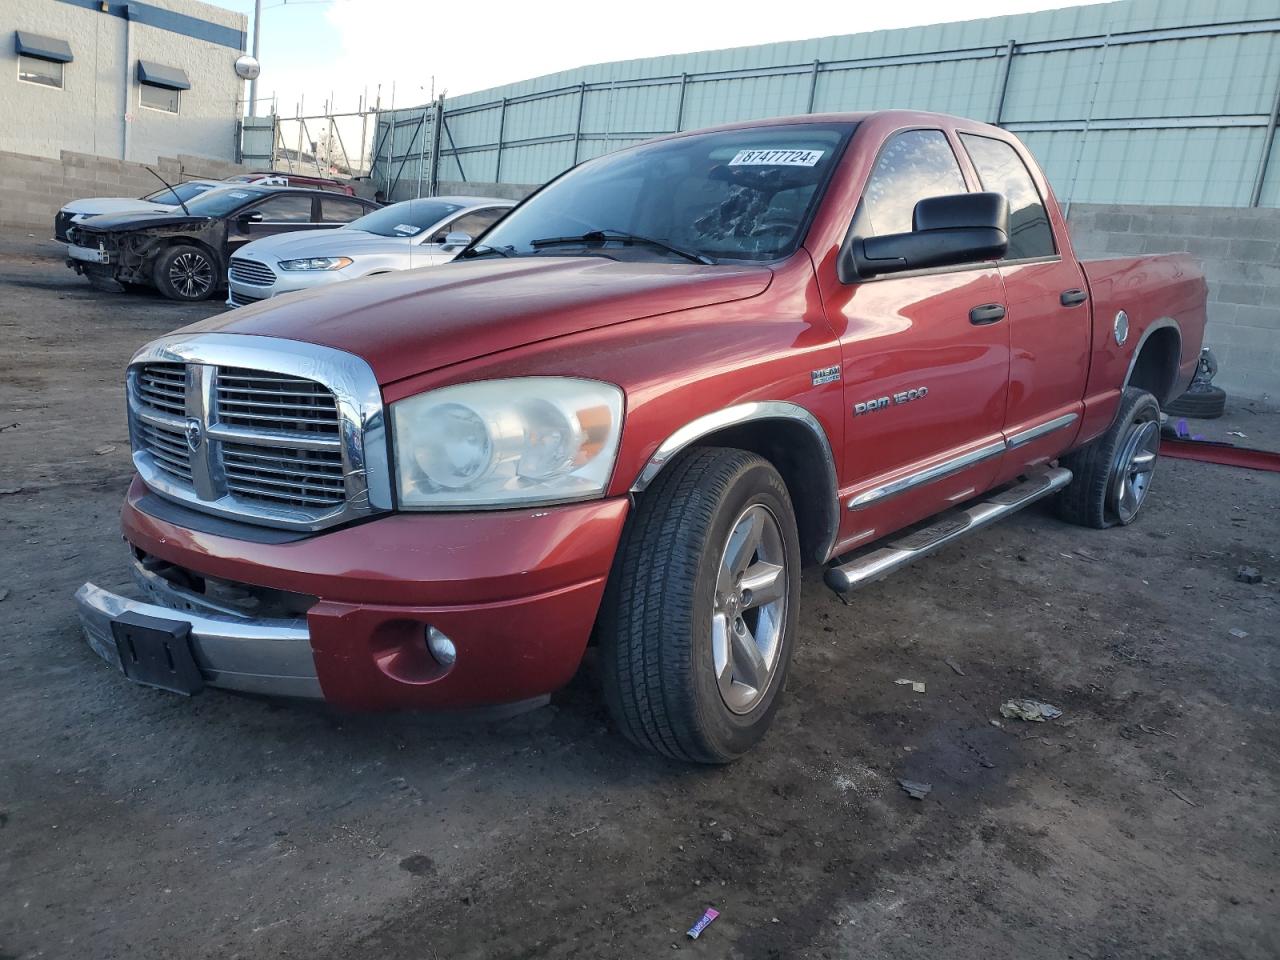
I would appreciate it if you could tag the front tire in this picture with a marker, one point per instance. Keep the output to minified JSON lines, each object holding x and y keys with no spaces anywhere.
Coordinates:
{"x":700,"y":615}
{"x":186,"y":273}
{"x":1111,"y":476}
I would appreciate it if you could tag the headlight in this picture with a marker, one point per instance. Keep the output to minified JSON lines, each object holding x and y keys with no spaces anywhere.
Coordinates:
{"x":316,"y":263}
{"x":498,"y":443}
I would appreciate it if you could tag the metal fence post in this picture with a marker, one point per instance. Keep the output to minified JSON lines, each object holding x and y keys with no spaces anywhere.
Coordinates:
{"x":422,"y":152}
{"x":577,"y":131}
{"x":502,"y":127}
{"x":437,"y":121}
{"x":1255,"y":198}
{"x":684,"y":82}
{"x":1004,"y":83}
{"x":813,"y":86}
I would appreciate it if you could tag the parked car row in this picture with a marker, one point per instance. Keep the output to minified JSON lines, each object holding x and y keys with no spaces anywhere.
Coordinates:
{"x":260,"y":238}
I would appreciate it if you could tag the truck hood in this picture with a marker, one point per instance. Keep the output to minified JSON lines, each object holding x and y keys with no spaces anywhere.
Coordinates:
{"x":96,"y":206}
{"x":342,"y":242}
{"x":417,"y":321}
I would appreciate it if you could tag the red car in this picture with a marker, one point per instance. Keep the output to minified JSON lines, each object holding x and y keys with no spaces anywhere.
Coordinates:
{"x":629,"y":415}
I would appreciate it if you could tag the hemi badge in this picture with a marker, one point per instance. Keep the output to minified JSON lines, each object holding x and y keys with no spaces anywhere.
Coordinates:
{"x":826,"y":375}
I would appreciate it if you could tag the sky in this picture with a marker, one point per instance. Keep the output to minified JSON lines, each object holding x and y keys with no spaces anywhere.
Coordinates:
{"x":314,"y":49}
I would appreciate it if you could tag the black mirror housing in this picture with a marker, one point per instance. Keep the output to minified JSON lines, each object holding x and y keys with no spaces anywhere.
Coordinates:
{"x":947,"y":231}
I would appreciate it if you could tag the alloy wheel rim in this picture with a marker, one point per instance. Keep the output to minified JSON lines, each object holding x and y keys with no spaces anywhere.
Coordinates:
{"x":191,"y":274}
{"x":1135,"y":463}
{"x":750,"y":609}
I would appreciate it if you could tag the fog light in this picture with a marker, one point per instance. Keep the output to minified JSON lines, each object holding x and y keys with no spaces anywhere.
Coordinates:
{"x":441,"y":647}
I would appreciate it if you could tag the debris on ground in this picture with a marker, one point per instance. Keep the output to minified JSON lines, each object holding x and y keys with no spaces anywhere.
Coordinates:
{"x":103,"y":450}
{"x":1085,"y":555}
{"x":4,"y":594}
{"x":1248,"y":575}
{"x":1238,"y":633}
{"x":1029,"y":710}
{"x":9,"y":491}
{"x":703,"y":922}
{"x":1238,"y":433}
{"x":954,"y":666}
{"x":916,"y":790}
{"x":916,"y":685}
{"x":1189,"y":802}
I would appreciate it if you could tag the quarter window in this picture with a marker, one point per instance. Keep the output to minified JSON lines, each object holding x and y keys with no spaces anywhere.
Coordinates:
{"x":913,"y":166}
{"x":47,"y":73}
{"x":293,"y":208}
{"x":1001,"y":170}
{"x":159,"y":98}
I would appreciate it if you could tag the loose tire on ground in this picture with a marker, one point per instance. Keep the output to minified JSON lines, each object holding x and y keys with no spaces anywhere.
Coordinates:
{"x":1200,"y":403}
{"x":673,"y":636}
{"x":186,"y":272}
{"x":1111,"y":476}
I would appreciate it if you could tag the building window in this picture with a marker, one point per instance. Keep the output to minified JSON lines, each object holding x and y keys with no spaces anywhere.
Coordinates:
{"x":47,"y":73}
{"x":159,"y":98}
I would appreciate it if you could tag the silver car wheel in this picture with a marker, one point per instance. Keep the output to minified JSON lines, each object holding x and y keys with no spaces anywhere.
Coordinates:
{"x":191,"y":275}
{"x":750,"y":609}
{"x":1134,"y":465}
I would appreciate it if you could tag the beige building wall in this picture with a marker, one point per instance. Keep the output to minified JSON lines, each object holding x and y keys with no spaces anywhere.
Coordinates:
{"x":97,"y":111}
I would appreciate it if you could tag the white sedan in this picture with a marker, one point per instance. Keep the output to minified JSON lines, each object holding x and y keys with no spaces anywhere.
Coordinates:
{"x":413,"y":233}
{"x":161,"y":201}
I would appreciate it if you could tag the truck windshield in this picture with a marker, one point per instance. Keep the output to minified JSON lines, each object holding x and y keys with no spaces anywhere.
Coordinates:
{"x":730,"y":195}
{"x":185,"y":192}
{"x":407,"y":219}
{"x":220,"y":202}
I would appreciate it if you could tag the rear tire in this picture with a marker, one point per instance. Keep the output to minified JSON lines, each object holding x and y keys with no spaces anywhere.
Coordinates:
{"x":1205,"y":402}
{"x":187,"y":273}
{"x":700,"y":614}
{"x":1111,"y":476}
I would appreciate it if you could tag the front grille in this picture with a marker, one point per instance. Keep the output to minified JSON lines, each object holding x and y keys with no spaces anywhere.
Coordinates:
{"x":251,"y":271}
{"x":257,"y":444}
{"x":168,"y":449}
{"x":163,"y":387}
{"x":307,"y":478}
{"x":274,"y":401}
{"x":241,"y":299}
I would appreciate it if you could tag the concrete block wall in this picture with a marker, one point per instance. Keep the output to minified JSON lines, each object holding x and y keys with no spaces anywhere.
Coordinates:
{"x":32,"y":189}
{"x":1239,"y":249}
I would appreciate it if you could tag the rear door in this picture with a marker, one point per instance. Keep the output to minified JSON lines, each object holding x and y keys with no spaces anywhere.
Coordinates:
{"x":1049,"y":315}
{"x":337,"y":210}
{"x":925,"y":384}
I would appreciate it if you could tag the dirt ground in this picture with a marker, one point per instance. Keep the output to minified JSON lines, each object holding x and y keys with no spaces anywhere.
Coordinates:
{"x":1143,"y":823}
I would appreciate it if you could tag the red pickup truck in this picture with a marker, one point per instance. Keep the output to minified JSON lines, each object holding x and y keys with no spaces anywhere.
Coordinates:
{"x":628,"y":415}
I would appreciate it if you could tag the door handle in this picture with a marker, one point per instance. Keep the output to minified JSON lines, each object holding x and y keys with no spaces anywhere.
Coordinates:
{"x":987,"y":313}
{"x":1070,"y":298}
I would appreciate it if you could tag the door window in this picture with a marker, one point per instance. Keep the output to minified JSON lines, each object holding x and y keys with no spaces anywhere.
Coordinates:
{"x":1001,"y":170}
{"x":913,"y":166}
{"x":339,"y":210}
{"x":290,"y":208}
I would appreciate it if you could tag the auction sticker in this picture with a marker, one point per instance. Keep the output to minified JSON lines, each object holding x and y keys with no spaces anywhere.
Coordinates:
{"x":777,"y":158}
{"x":405,"y":228}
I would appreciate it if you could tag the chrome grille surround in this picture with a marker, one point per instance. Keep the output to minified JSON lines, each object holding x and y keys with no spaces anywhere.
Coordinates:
{"x":252,"y":272}
{"x":275,"y":432}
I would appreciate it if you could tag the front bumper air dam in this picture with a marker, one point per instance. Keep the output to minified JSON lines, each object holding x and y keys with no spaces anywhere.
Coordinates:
{"x":517,"y":591}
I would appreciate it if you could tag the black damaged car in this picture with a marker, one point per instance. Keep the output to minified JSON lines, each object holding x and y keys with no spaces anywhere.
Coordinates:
{"x":184,"y":252}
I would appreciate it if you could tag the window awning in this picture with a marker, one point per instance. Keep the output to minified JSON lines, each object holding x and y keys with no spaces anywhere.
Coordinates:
{"x":155,"y":75}
{"x":42,"y":48}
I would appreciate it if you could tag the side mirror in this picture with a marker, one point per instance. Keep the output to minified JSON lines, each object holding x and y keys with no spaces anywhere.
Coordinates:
{"x":456,"y":241}
{"x":946,"y":231}
{"x":247,"y":218}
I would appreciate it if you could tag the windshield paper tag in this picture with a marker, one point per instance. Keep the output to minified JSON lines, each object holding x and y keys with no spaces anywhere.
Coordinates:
{"x":405,"y":228}
{"x":777,"y":158}
{"x":240,"y":194}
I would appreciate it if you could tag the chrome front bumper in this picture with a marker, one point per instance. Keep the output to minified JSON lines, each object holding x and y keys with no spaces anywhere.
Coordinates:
{"x":233,"y":651}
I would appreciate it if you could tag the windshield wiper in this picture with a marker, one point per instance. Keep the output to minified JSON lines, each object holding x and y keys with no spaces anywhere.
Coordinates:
{"x":483,"y":250}
{"x":604,"y":236}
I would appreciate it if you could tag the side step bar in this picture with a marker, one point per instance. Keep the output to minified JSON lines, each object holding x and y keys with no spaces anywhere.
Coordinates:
{"x":876,"y":563}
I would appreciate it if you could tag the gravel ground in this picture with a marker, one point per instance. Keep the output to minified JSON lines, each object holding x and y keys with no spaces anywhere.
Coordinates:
{"x":1142,"y":823}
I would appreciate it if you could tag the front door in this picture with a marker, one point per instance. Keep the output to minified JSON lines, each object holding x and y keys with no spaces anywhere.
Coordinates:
{"x":925,"y":359}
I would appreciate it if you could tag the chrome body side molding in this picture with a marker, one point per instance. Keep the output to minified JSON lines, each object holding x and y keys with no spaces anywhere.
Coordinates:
{"x":1035,"y":433}
{"x":891,"y":488}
